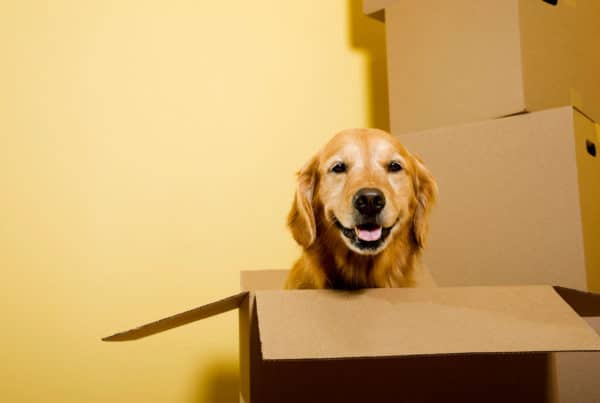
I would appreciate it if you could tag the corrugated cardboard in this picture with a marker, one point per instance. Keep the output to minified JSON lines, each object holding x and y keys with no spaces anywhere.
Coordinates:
{"x":444,"y":344}
{"x":415,"y":321}
{"x":577,"y":374}
{"x":519,"y":203}
{"x":183,"y":318}
{"x":452,"y":62}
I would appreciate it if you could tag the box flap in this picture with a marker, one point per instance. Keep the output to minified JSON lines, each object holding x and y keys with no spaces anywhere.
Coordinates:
{"x":180,"y":319}
{"x":263,"y":279}
{"x":583,"y":302}
{"x":318,"y":324}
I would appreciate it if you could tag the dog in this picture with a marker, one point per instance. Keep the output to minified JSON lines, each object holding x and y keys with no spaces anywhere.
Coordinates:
{"x":360,"y":214}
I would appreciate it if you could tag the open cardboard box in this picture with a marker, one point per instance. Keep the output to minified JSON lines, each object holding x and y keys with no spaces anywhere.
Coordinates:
{"x":452,"y":62}
{"x":464,"y":344}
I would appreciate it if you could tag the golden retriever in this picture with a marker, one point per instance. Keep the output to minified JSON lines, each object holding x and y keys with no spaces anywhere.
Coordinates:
{"x":360,"y":214}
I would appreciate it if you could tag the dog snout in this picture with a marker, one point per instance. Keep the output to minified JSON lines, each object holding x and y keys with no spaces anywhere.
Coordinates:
{"x":369,"y":201}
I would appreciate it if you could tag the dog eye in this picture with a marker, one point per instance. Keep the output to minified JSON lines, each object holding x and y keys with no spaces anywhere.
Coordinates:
{"x":339,"y":168}
{"x":394,"y":166}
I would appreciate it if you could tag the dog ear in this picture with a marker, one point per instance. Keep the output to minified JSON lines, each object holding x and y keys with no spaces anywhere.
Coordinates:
{"x":426,"y":191}
{"x":301,"y":218}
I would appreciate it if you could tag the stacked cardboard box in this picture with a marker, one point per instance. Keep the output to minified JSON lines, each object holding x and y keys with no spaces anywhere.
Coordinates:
{"x":501,"y":100}
{"x":452,"y":62}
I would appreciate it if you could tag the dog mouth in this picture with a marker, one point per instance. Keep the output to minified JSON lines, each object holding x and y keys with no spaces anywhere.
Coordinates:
{"x":367,"y":237}
{"x":368,"y":232}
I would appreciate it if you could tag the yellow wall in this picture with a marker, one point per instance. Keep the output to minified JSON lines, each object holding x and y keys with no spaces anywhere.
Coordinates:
{"x":147,"y":152}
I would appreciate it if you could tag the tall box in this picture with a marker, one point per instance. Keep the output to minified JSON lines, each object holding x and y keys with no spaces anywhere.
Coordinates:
{"x":467,"y":344}
{"x":453,"y":62}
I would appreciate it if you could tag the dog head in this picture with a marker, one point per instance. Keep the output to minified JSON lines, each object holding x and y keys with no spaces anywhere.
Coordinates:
{"x":364,"y":188}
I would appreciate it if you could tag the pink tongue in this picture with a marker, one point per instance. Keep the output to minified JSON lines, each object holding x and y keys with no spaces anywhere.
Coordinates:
{"x":368,"y":234}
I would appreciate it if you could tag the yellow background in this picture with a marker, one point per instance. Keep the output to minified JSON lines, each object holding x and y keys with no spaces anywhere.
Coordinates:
{"x":147,"y":153}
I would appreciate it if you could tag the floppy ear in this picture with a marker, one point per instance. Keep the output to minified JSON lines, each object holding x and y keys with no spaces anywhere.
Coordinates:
{"x":301,"y":218}
{"x":426,"y":190}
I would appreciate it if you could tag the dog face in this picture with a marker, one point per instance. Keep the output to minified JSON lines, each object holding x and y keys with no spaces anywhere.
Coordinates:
{"x":366,"y":186}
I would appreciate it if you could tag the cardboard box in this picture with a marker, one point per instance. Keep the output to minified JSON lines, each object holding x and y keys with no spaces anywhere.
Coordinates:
{"x":415,"y":345}
{"x":519,"y":200}
{"x":519,"y":203}
{"x":453,"y":62}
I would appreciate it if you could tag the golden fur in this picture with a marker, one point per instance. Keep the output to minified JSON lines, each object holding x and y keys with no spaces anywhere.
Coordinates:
{"x":323,"y":205}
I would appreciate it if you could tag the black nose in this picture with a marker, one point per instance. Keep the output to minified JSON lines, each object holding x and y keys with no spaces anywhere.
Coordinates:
{"x":369,"y":201}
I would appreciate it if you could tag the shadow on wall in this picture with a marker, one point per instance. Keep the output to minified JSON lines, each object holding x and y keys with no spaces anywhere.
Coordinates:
{"x":368,"y":35}
{"x":219,"y":382}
